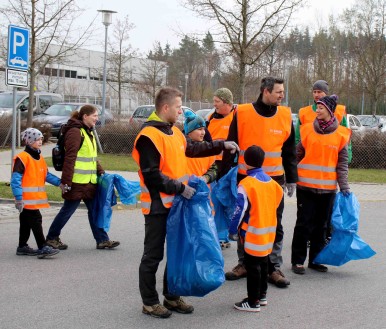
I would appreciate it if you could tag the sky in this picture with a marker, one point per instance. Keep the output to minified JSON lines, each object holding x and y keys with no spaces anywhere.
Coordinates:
{"x":167,"y":21}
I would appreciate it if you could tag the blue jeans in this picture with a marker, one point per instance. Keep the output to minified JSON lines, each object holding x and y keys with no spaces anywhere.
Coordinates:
{"x":65,"y":214}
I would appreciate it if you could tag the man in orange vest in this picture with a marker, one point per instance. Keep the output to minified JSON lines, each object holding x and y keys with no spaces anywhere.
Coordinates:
{"x":267,"y":124}
{"x":323,"y":162}
{"x":254,"y":222}
{"x":160,"y":150}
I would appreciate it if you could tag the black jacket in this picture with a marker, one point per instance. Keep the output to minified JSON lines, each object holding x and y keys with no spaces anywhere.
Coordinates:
{"x":288,"y":153}
{"x":149,"y":163}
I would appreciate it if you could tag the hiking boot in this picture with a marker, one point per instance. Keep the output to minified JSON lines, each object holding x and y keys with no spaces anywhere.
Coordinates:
{"x":156,"y":311}
{"x":277,"y":277}
{"x":109,"y":244}
{"x":47,"y":251}
{"x":298,"y":269}
{"x":56,"y":243}
{"x":178,"y":305}
{"x":245,"y":306}
{"x":237,"y":272}
{"x":263,"y":300}
{"x":225,"y":245}
{"x":26,"y":251}
{"x":318,"y":267}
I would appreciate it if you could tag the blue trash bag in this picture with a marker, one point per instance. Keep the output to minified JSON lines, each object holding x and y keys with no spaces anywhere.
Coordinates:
{"x":345,"y":244}
{"x":105,"y":197}
{"x":224,"y":197}
{"x":195,"y":265}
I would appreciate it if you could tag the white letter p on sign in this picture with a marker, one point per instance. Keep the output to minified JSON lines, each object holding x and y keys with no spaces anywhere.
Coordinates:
{"x":18,"y":41}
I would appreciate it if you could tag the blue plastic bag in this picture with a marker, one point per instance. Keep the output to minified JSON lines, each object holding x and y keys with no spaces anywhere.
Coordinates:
{"x":105,"y":197}
{"x":195,"y":265}
{"x":345,"y":244}
{"x":224,"y":197}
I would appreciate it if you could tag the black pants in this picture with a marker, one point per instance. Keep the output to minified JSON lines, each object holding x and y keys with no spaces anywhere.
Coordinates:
{"x":313,"y":215}
{"x":31,"y":219}
{"x":155,"y":234}
{"x":257,"y":276}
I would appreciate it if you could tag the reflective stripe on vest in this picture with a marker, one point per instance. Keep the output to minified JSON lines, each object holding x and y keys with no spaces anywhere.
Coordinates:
{"x":85,"y":170}
{"x":318,"y":167}
{"x":172,"y":162}
{"x":269,"y":133}
{"x":260,"y":231}
{"x":33,"y":181}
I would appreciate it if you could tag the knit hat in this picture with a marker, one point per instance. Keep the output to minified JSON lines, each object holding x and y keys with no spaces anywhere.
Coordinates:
{"x":254,"y":156}
{"x":192,"y":121}
{"x":225,"y":95}
{"x":321,"y":85}
{"x":31,"y":135}
{"x":329,"y":102}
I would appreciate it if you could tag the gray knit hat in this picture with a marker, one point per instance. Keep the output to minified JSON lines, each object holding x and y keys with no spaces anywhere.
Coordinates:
{"x":31,"y":135}
{"x":321,"y":85}
{"x":225,"y":95}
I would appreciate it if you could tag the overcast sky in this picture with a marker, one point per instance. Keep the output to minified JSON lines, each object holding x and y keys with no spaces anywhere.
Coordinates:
{"x":166,"y":20}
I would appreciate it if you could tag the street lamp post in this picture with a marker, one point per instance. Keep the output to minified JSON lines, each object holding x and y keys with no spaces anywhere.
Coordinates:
{"x":106,"y":20}
{"x":186,"y":85}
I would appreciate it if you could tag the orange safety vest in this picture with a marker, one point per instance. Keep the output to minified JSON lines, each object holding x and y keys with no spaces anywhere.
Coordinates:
{"x":307,"y":114}
{"x":172,"y":163}
{"x":33,"y":181}
{"x":264,"y":198}
{"x":219,"y":129}
{"x":318,"y":167}
{"x":199,"y":166}
{"x":268,"y":133}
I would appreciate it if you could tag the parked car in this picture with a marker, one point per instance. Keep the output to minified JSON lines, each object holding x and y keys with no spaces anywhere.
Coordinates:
{"x":205,"y":113}
{"x":354,"y":123}
{"x":57,"y":115}
{"x":141,"y":113}
{"x":373,"y":122}
{"x":295,"y":118}
{"x":42,"y":101}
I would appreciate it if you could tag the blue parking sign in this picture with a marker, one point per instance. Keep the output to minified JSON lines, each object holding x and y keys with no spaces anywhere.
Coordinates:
{"x":18,"y":47}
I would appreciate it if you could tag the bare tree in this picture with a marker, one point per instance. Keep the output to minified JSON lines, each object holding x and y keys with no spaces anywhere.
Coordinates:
{"x":243,"y":24}
{"x":121,"y":52}
{"x":51,"y":22}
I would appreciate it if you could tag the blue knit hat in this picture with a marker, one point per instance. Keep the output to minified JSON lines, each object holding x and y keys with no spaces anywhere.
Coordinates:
{"x":192,"y":121}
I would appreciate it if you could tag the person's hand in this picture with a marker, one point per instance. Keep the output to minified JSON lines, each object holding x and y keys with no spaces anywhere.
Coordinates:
{"x":19,"y":204}
{"x":233,"y":237}
{"x":204,"y":178}
{"x":289,"y":188}
{"x":188,"y":192}
{"x":346,"y":192}
{"x":63,"y":188}
{"x":232,"y":146}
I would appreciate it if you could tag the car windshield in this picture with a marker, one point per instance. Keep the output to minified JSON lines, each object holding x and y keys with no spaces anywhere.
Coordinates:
{"x":64,"y":110}
{"x":6,"y":100}
{"x":368,"y":121}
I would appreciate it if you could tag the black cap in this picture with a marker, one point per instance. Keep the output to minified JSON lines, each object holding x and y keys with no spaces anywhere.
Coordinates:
{"x":254,"y":156}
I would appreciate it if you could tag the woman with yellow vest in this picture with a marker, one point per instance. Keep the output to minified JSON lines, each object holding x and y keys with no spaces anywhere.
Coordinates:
{"x":161,"y":150}
{"x":254,"y":222}
{"x":80,"y":171}
{"x":322,"y":164}
{"x":29,"y":175}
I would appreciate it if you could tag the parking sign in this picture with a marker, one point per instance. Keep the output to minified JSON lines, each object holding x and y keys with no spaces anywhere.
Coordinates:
{"x":18,"y":47}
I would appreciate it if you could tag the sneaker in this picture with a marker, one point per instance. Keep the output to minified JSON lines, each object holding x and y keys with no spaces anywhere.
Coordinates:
{"x":26,"y":251}
{"x":225,"y":245}
{"x":318,"y":267}
{"x":263,"y":300}
{"x":245,"y":306}
{"x":237,"y":272}
{"x":47,"y":251}
{"x":277,"y":277}
{"x":298,"y":269}
{"x":178,"y":305}
{"x":156,"y":311}
{"x":57,"y":244}
{"x":109,"y":244}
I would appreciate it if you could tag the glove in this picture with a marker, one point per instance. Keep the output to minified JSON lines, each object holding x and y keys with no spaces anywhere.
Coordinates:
{"x":346,"y":192}
{"x":188,"y":192}
{"x":204,"y":178}
{"x":232,"y":146}
{"x":289,"y":188}
{"x":233,"y":237}
{"x":19,"y":204}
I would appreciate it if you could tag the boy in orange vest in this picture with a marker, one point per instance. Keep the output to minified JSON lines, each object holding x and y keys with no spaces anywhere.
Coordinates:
{"x":254,"y":223}
{"x":29,"y":175}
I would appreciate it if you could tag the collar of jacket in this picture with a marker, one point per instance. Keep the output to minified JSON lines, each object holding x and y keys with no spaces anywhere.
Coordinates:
{"x":33,"y":152}
{"x":264,"y":109}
